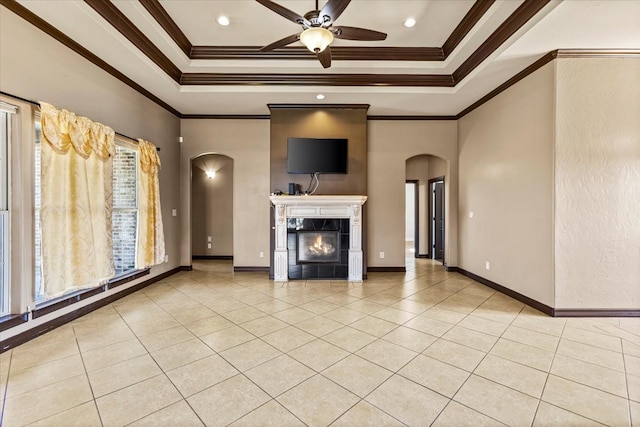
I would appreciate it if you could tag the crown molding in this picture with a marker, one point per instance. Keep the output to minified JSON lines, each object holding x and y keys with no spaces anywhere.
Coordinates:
{"x":346,"y":53}
{"x":226,"y":116}
{"x":120,"y":22}
{"x":597,"y":53}
{"x":416,"y":118}
{"x":167,"y":23}
{"x":316,"y":79}
{"x":318,"y":106}
{"x":508,"y":28}
{"x":477,"y":11}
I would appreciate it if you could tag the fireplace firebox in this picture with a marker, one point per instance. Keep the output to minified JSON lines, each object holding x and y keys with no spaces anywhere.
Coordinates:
{"x":318,"y":246}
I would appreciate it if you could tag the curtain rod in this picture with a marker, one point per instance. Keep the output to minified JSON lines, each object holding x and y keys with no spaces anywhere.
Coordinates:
{"x":36,"y":103}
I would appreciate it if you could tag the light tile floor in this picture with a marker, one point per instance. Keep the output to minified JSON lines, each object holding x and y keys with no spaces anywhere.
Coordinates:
{"x":423,"y":348}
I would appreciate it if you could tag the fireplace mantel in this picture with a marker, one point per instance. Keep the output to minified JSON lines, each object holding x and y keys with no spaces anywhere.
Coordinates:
{"x":318,"y":207}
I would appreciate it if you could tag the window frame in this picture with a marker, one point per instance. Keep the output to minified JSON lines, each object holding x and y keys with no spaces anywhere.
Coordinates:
{"x":21,"y":298}
{"x":7,"y":113}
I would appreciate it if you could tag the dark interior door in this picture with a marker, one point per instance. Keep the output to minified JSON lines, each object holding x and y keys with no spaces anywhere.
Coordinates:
{"x":438,"y":220}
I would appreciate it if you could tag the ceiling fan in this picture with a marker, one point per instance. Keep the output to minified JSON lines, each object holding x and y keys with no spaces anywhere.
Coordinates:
{"x":318,"y":29}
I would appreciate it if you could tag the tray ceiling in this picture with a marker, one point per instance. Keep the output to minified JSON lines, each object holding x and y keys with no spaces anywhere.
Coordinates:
{"x":459,"y":51}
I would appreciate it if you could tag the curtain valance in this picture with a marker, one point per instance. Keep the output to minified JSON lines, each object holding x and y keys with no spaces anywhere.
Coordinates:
{"x":62,"y":130}
{"x":149,"y":159}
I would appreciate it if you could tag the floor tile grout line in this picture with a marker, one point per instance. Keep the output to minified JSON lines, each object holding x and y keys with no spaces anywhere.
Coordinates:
{"x":626,"y":381}
{"x":546,"y":380}
{"x":6,"y":389}
{"x":86,"y":373}
{"x":468,"y":407}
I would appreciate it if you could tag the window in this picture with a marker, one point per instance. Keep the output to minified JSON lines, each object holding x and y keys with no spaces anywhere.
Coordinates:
{"x":124,"y":215}
{"x":5,"y":134}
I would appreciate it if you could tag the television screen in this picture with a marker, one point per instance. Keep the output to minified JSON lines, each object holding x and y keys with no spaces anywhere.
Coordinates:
{"x":313,"y":155}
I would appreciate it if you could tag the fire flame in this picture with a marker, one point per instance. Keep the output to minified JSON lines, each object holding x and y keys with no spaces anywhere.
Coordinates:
{"x":320,"y":247}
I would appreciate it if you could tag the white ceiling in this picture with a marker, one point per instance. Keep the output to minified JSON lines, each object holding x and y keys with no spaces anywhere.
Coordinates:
{"x":568,"y":24}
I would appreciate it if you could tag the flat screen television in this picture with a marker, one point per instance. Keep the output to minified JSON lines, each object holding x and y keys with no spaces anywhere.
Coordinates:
{"x":317,"y":155}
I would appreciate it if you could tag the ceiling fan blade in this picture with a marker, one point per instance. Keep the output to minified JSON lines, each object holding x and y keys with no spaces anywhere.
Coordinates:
{"x":334,"y":9}
{"x":281,"y":43}
{"x":354,"y":33}
{"x":325,"y":57}
{"x":283,"y":11}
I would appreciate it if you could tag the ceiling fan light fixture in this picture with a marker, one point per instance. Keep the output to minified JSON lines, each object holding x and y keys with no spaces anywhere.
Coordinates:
{"x":409,"y":22}
{"x":316,"y":39}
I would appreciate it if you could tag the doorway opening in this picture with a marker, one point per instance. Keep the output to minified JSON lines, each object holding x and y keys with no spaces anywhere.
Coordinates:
{"x":436,"y":218}
{"x":412,"y":212}
{"x":212,"y":207}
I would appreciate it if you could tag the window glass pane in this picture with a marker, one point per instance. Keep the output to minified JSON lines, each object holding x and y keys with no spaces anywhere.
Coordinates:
{"x":37,"y":230}
{"x":124,"y":179}
{"x":4,"y":212}
{"x":125,"y":214}
{"x":124,"y":240}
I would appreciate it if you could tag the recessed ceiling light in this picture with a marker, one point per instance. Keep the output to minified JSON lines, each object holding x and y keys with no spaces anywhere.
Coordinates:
{"x":223,"y":20}
{"x":409,"y":22}
{"x":320,"y":96}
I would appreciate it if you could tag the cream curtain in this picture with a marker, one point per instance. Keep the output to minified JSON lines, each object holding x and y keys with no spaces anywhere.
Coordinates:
{"x":77,"y":196}
{"x":151,"y":250}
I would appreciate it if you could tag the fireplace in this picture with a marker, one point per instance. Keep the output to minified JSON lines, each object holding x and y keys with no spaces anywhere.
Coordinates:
{"x":318,"y":246}
{"x":318,"y":237}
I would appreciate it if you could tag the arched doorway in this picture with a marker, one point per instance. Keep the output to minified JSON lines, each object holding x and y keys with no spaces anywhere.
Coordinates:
{"x":424,"y":177}
{"x":212,"y":207}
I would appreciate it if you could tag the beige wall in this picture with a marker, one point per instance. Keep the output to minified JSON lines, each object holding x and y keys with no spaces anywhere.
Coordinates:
{"x":212,"y":206}
{"x":35,"y":66}
{"x":437,"y":167}
{"x":247,"y":143}
{"x":387,"y":158}
{"x":506,"y":180}
{"x":597,"y":169}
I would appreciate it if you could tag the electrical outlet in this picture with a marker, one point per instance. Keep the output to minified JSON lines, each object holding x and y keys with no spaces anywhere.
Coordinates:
{"x":174,"y":212}
{"x":487,"y":265}
{"x":471,"y":214}
{"x":381,"y":255}
{"x":208,"y":238}
{"x":208,"y":245}
{"x":166,"y":258}
{"x":261,"y":254}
